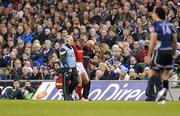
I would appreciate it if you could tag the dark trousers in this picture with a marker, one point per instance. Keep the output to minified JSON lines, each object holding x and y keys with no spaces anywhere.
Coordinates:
{"x":153,"y":87}
{"x":69,"y":83}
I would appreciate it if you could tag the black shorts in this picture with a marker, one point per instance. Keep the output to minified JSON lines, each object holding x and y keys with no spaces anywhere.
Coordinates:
{"x":162,"y":59}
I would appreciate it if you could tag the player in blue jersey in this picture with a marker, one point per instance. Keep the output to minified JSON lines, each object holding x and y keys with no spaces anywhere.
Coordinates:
{"x":68,"y":68}
{"x":161,"y":50}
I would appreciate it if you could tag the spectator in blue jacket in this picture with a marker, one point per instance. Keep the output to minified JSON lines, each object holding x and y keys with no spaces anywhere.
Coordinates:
{"x":28,"y":35}
{"x":37,"y":55}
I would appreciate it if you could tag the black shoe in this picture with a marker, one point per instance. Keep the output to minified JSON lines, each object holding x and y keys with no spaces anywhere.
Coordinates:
{"x":150,"y":99}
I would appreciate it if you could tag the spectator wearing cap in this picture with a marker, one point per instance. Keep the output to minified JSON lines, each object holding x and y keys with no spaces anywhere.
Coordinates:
{"x":124,"y":74}
{"x":145,"y":73}
{"x":133,"y":75}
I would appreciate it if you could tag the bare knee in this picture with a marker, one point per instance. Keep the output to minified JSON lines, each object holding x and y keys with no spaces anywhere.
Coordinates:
{"x":80,"y":81}
{"x":165,"y":75}
{"x":85,"y":79}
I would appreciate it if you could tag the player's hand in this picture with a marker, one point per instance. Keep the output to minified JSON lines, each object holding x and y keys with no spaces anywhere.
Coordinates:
{"x":147,"y":59}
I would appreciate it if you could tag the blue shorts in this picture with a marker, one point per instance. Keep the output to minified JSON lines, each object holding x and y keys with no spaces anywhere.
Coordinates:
{"x":162,"y":59}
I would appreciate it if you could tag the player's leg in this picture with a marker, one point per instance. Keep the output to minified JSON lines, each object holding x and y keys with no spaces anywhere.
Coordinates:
{"x":86,"y":85}
{"x":150,"y":93}
{"x":165,"y":61}
{"x":74,"y":80}
{"x":79,"y":86}
{"x":65,"y":85}
{"x":158,"y":84}
{"x":164,"y":77}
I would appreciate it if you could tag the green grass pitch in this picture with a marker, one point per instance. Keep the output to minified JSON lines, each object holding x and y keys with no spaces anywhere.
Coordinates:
{"x":91,"y":108}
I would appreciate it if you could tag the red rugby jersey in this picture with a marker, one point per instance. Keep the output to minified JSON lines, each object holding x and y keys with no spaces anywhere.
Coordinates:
{"x":78,"y":53}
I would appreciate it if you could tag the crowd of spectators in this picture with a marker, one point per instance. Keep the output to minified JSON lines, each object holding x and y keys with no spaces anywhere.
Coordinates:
{"x":116,"y":34}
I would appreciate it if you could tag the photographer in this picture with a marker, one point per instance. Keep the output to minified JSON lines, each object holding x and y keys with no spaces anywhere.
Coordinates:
{"x":15,"y":92}
{"x":28,"y":90}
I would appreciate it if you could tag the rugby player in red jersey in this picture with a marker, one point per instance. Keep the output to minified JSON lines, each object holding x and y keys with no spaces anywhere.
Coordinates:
{"x":83,"y":76}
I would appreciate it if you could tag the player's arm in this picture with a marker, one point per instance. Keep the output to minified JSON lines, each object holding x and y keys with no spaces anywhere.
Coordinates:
{"x":174,"y":41}
{"x":153,"y":38}
{"x":63,"y":54}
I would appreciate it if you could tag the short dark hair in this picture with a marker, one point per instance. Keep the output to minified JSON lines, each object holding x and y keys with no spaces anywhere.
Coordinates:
{"x":160,"y":11}
{"x":16,"y":80}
